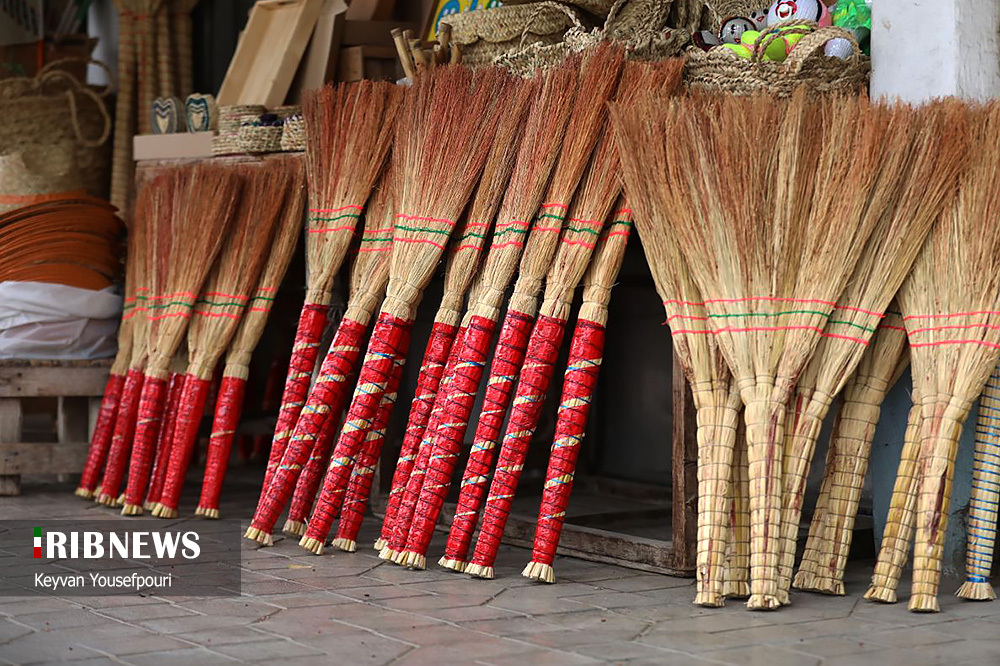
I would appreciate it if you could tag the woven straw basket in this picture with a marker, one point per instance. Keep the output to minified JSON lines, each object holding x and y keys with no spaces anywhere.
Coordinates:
{"x":720,"y":70}
{"x":52,"y":108}
{"x":293,"y":133}
{"x":256,"y":138}
{"x":720,"y":10}
{"x":231,"y":118}
{"x":485,"y":34}
{"x":599,"y":8}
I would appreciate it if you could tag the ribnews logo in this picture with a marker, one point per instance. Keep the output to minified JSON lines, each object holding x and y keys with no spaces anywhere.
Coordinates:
{"x":113,"y":557}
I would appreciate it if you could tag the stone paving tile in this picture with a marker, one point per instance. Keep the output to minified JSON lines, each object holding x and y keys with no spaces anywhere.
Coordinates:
{"x":228,"y":636}
{"x":547,"y":657}
{"x":147,"y":612}
{"x":272,"y":650}
{"x":11,"y":630}
{"x":762,"y":655}
{"x":359,"y":648}
{"x":834,"y":646}
{"x":672,"y":658}
{"x":619,"y":651}
{"x":472,"y":614}
{"x":187,"y":657}
{"x":123,"y":646}
{"x":915,"y":636}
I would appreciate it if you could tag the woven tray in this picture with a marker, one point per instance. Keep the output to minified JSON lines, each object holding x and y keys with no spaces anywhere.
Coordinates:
{"x":293,"y":134}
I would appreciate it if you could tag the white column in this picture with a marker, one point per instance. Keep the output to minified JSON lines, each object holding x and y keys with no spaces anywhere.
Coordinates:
{"x":922,"y":49}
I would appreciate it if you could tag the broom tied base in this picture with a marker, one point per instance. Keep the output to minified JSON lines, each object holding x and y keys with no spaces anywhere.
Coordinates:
{"x":164,"y":511}
{"x":379,"y":544}
{"x":881,"y":594}
{"x":294,"y":528}
{"x":976,"y":591}
{"x":540,"y":572}
{"x":346,"y":545}
{"x":454,"y":565}
{"x":479,"y":571}
{"x":132,"y":510}
{"x":709,"y":600}
{"x":736,"y":589}
{"x":259,"y":535}
{"x":84,"y":493}
{"x":924,"y":603}
{"x":387,"y":554}
{"x":763,"y":602}
{"x":314,"y":546}
{"x":810,"y":582}
{"x":210,"y":514}
{"x":414,"y":561}
{"x":105,"y":499}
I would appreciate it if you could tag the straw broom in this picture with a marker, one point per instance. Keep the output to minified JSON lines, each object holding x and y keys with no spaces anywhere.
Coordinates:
{"x":832,"y":527}
{"x":105,"y":422}
{"x":598,"y":74}
{"x":229,"y":404}
{"x":579,"y":384}
{"x":460,"y":270}
{"x":544,"y":129}
{"x":761,"y":251}
{"x":446,"y":131}
{"x":949,"y":304}
{"x":348,"y":132}
{"x":220,"y":308}
{"x":651,"y":192}
{"x":983,"y":503}
{"x":154,"y":239}
{"x":158,"y":474}
{"x":369,"y":277}
{"x":736,"y":573}
{"x":204,"y":199}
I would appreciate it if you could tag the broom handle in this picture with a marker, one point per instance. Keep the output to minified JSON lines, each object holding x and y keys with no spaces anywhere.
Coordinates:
{"x":190,"y":409}
{"x":898,"y":533}
{"x":543,"y":350}
{"x":456,"y":410}
{"x":315,"y":427}
{"x":385,"y":356}
{"x":103,"y":431}
{"x":983,"y":502}
{"x":228,"y":409}
{"x":121,"y":439}
{"x":166,"y":439}
{"x":437,"y":363}
{"x":359,"y":487}
{"x":305,"y":349}
{"x":147,"y":431}
{"x":579,"y":383}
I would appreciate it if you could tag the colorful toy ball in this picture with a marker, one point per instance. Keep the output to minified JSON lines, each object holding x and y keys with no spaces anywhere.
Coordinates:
{"x":838,"y":47}
{"x":759,"y":18}
{"x":705,"y":39}
{"x":740,"y":50}
{"x":809,"y":10}
{"x":777,"y":50}
{"x":733,"y":28}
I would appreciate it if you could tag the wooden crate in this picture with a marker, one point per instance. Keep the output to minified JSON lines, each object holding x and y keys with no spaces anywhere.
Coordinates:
{"x":77,"y":387}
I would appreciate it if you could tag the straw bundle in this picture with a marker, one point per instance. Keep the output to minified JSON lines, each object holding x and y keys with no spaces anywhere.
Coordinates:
{"x":217,"y":314}
{"x":229,"y":404}
{"x":832,"y":527}
{"x":164,"y":441}
{"x":650,"y":191}
{"x":544,"y":129}
{"x":950,"y":304}
{"x":880,"y":155}
{"x":348,"y":132}
{"x":135,"y":296}
{"x":983,"y":503}
{"x":446,"y":131}
{"x":204,"y":198}
{"x":579,"y":384}
{"x":153,"y":229}
{"x":369,"y":277}
{"x":460,"y":270}
{"x":736,"y":575}
{"x":598,"y":74}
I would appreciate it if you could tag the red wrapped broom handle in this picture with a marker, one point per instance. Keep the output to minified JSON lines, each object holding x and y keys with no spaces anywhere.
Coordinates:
{"x":121,"y":439}
{"x":543,"y":350}
{"x":507,"y":363}
{"x":316,"y":424}
{"x":175,"y":387}
{"x":305,"y":349}
{"x":147,"y":430}
{"x":189,"y":412}
{"x":356,"y":499}
{"x":385,"y":357}
{"x":228,"y":409}
{"x":579,"y":383}
{"x":440,"y":347}
{"x":101,"y":440}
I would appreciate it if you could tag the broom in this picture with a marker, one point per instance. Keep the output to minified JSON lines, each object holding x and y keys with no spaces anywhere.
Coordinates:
{"x":224,"y":299}
{"x":832,"y":526}
{"x":204,"y":199}
{"x":135,"y":296}
{"x":598,"y":74}
{"x":579,"y":384}
{"x":736,"y":572}
{"x":543,"y":135}
{"x":153,"y":228}
{"x":229,"y":404}
{"x":877,"y":141}
{"x":949,"y":304}
{"x":761,"y":251}
{"x":650,"y":190}
{"x":983,"y":503}
{"x":446,"y":131}
{"x":348,"y":132}
{"x":459,"y":273}
{"x":369,"y":277}
{"x":175,"y":386}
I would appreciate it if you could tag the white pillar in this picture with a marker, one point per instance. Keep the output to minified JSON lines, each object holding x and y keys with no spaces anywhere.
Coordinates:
{"x":922,"y":49}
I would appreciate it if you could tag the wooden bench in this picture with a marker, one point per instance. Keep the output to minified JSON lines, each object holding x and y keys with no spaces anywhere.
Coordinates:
{"x":77,"y":387}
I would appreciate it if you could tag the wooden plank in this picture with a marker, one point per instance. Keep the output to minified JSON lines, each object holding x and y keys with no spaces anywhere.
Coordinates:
{"x":352,"y":64}
{"x":42,"y":458}
{"x":188,"y":145}
{"x":685,"y":471}
{"x":72,"y":419}
{"x":319,"y":64}
{"x":269,"y":52}
{"x":10,"y":431}
{"x":51,"y":381}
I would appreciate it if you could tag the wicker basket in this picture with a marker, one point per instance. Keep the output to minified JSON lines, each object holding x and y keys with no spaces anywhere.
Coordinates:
{"x":720,"y":10}
{"x":258,"y":137}
{"x":486,"y":34}
{"x":231,"y":119}
{"x":720,"y":70}
{"x":599,"y":8}
{"x":293,"y":134}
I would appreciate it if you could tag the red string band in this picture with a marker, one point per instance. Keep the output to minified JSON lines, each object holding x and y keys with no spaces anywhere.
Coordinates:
{"x":121,"y":438}
{"x":189,"y":412}
{"x":100,"y":442}
{"x":147,"y":430}
{"x":228,"y":409}
{"x":175,"y":387}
